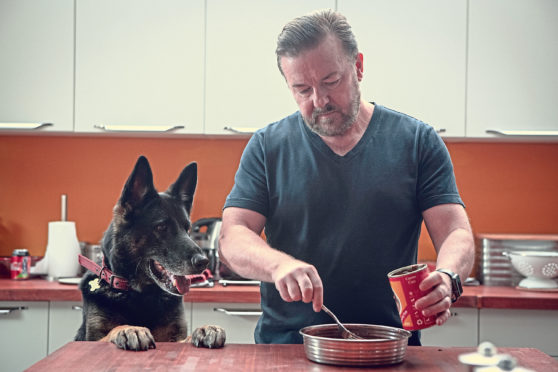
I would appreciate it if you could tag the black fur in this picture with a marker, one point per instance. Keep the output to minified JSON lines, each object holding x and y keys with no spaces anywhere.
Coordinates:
{"x":149,"y":230}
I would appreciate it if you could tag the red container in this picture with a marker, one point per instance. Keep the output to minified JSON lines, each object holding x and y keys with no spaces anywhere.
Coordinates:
{"x":20,"y":264}
{"x":405,"y":285}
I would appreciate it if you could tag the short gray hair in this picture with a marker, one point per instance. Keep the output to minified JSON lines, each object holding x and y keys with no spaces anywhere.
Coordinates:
{"x":306,"y":32}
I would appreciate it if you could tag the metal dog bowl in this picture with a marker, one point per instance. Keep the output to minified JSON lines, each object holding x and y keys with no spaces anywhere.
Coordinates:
{"x":382,"y":345}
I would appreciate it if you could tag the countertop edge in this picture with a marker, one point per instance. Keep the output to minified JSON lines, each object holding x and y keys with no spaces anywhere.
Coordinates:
{"x":473,"y":297}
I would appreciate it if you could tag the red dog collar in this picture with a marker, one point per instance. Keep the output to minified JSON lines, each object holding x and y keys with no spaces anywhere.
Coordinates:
{"x":104,"y":273}
{"x":121,"y":283}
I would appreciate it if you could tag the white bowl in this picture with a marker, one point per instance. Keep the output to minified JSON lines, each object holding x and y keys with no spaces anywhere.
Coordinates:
{"x":539,"y":268}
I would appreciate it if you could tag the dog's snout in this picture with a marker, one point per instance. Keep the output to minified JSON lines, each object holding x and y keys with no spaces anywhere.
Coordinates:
{"x":199,"y":261}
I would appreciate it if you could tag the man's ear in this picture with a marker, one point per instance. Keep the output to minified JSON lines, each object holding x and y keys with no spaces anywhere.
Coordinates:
{"x":359,"y":66}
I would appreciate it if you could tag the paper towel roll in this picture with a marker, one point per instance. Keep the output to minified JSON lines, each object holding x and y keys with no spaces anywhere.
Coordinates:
{"x":62,"y":249}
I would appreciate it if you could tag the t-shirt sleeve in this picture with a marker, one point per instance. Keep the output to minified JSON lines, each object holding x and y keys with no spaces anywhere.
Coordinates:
{"x":436,"y":179}
{"x":250,"y":182}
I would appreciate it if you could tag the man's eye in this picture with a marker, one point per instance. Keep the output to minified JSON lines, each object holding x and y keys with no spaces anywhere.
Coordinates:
{"x":332,"y":83}
{"x":305,"y":92}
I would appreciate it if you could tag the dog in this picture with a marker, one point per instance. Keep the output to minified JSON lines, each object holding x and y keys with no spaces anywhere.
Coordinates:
{"x":135,"y":299}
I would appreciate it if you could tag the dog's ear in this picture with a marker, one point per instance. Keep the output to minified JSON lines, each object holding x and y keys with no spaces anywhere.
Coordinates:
{"x":139,"y":185}
{"x":185,"y":186}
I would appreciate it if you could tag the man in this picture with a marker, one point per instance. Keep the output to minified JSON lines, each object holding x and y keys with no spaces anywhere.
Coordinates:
{"x":342,"y":187}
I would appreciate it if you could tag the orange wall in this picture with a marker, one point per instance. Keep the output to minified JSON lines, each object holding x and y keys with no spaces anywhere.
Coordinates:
{"x":507,"y":187}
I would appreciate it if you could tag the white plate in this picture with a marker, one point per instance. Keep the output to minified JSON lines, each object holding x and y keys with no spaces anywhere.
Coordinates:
{"x":75,"y":280}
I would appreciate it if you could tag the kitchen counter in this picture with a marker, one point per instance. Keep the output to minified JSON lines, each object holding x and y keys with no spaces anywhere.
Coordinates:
{"x":475,"y":297}
{"x":104,"y":356}
{"x":43,"y":290}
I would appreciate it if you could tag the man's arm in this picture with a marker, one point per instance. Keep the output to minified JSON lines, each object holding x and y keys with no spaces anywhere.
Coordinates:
{"x":452,"y":237}
{"x":247,"y":254}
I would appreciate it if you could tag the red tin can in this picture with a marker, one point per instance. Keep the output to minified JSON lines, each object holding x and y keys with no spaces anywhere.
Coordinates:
{"x":405,"y":285}
{"x":20,"y":264}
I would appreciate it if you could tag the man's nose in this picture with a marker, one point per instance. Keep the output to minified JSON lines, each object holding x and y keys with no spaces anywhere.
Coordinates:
{"x":320,"y":98}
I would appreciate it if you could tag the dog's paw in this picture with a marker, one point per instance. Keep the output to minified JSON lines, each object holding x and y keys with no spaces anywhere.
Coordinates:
{"x":131,"y":338}
{"x":209,"y":336}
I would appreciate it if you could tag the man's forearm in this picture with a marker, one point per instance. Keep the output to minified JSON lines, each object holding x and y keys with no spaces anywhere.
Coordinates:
{"x":457,"y":252}
{"x":248,"y":255}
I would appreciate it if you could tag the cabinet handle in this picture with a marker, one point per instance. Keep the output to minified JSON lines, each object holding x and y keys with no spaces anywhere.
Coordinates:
{"x":138,"y":128}
{"x":241,"y":130}
{"x":76,"y":307}
{"x":7,"y":310}
{"x":441,"y":130}
{"x":541,"y":133}
{"x":26,"y":126}
{"x":238,"y":312}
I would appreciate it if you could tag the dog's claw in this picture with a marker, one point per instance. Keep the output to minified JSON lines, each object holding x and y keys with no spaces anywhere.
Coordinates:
{"x":209,"y":336}
{"x":133,"y":338}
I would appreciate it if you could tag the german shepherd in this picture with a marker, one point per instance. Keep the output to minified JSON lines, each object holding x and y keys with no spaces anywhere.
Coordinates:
{"x":147,"y":248}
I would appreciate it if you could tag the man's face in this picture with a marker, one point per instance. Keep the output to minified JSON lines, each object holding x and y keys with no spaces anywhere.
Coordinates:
{"x":324,"y":83}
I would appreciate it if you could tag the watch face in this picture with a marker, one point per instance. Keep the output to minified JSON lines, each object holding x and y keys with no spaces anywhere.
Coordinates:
{"x":456,"y":288}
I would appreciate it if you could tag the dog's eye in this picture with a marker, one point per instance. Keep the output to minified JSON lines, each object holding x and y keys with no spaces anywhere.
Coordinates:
{"x":161,"y":227}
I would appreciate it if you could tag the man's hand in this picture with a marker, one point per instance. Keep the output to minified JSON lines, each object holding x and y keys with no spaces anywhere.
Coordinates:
{"x":438,"y":301}
{"x":296,"y":280}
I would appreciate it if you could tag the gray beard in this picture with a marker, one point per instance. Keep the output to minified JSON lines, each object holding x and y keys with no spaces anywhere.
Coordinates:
{"x":327,"y":128}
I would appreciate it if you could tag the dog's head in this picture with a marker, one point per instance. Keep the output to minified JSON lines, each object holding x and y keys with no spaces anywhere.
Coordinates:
{"x":148,"y":241}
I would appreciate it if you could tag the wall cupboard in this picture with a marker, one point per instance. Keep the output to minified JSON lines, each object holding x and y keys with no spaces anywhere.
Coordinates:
{"x":414,"y":64}
{"x":37,"y":64}
{"x":469,"y":68}
{"x":512,"y":78}
{"x":139,"y":65}
{"x":244,"y":88}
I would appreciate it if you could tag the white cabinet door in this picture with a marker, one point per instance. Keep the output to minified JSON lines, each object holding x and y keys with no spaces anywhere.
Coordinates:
{"x":36,"y":64}
{"x":414,"y":57}
{"x":512,"y":75}
{"x":244,"y":88}
{"x":139,"y":65}
{"x":64,"y":320}
{"x":238,"y":320}
{"x":23,"y":334}
{"x":460,"y":330}
{"x":520,"y":328}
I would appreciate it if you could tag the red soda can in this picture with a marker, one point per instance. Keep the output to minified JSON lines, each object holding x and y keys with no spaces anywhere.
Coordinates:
{"x":20,"y":264}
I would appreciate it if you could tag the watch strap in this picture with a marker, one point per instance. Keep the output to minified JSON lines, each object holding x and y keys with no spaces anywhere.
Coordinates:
{"x":456,"y":287}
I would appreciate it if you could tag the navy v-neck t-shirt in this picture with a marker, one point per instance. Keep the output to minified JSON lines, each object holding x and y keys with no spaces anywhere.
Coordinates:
{"x":354,"y":217}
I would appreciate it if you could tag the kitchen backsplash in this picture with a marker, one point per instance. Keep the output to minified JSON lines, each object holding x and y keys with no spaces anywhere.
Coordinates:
{"x":507,"y":187}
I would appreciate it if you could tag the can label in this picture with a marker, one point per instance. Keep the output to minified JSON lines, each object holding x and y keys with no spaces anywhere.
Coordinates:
{"x":20,"y":265}
{"x":405,"y":285}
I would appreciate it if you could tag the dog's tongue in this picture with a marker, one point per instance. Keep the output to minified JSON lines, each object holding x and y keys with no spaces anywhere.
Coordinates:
{"x":181,"y":283}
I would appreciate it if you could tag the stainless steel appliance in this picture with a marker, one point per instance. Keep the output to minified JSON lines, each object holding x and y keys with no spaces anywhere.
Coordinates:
{"x":205,"y":232}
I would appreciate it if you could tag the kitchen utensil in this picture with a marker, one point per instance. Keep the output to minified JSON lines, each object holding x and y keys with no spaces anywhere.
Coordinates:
{"x":345,"y":333}
{"x":381,"y":345}
{"x":495,"y":269}
{"x":539,"y":268}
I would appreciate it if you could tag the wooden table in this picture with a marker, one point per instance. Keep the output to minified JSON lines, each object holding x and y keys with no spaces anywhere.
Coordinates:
{"x":103,"y":356}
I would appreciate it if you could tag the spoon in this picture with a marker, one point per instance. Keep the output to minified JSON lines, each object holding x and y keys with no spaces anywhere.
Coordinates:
{"x":345,"y":333}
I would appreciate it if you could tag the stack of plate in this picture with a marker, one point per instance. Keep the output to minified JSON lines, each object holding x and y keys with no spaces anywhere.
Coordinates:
{"x":381,"y":345}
